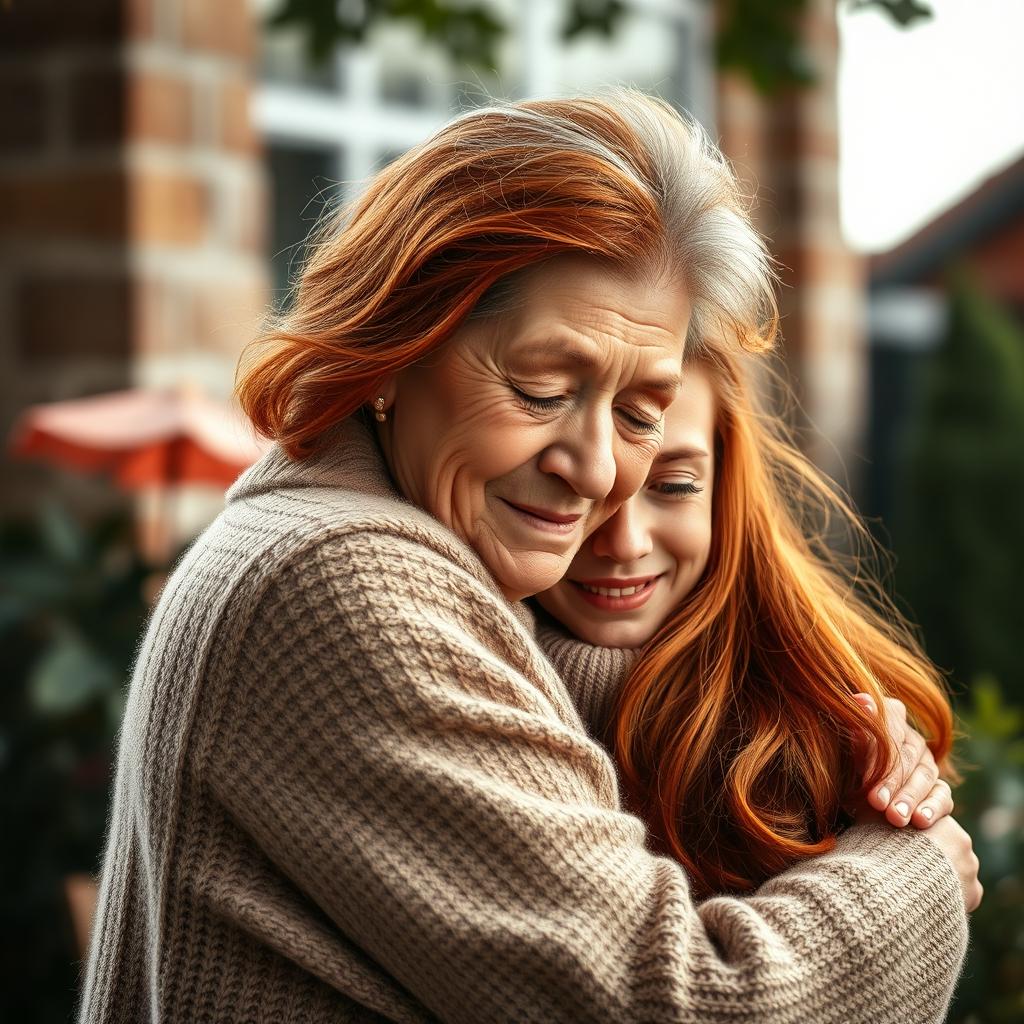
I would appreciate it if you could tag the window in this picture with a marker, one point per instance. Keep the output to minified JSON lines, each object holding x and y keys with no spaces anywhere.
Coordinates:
{"x":372,"y":102}
{"x":303,"y":181}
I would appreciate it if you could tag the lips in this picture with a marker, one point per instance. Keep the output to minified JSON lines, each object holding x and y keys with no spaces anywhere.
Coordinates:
{"x":544,"y":520}
{"x":561,"y":518}
{"x":615,"y":594}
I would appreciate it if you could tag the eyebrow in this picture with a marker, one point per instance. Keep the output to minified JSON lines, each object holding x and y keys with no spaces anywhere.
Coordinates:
{"x":680,"y":454}
{"x":561,"y":353}
{"x":578,"y":357}
{"x":666,"y":385}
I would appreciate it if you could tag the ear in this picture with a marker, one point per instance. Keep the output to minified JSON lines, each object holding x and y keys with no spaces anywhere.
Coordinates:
{"x":388,"y":387}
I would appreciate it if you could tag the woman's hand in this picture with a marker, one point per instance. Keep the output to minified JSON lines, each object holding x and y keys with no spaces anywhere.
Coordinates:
{"x":956,"y":844}
{"x":912,"y":792}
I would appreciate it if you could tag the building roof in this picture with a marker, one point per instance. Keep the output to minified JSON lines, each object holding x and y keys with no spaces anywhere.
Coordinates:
{"x":992,"y":206}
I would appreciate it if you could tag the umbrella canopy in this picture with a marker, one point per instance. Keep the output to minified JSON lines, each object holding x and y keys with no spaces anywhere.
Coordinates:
{"x":142,"y":438}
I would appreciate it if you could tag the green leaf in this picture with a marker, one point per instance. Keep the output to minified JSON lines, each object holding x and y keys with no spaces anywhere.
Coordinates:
{"x":469,"y":33}
{"x":601,"y":16}
{"x":903,"y":12}
{"x":760,"y":38}
{"x":36,"y":583}
{"x":62,"y":536}
{"x":70,"y":675}
{"x":990,"y":715}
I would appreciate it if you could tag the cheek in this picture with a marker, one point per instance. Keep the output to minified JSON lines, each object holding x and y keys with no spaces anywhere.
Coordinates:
{"x":487,"y":448}
{"x":688,"y":542}
{"x":476,"y":443}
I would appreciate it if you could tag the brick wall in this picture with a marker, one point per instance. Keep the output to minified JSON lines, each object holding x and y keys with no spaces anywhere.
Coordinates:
{"x":132,"y":200}
{"x":787,"y":149}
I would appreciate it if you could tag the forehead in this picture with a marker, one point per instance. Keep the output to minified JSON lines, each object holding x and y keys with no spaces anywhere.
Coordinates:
{"x":605,"y":304}
{"x":690,"y":419}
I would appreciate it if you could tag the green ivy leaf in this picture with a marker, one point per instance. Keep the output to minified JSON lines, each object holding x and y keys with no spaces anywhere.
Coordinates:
{"x":601,"y":16}
{"x":760,"y":38}
{"x":903,"y":12}
{"x":70,"y":675}
{"x":62,"y":536}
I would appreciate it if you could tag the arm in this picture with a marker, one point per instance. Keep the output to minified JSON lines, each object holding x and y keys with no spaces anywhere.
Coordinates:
{"x":390,"y":758}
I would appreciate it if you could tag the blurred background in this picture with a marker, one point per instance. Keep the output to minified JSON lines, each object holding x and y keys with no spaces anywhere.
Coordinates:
{"x":161,"y":163}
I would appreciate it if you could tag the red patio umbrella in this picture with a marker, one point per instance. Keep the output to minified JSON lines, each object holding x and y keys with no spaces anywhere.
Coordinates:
{"x":146,"y":440}
{"x":142,"y":438}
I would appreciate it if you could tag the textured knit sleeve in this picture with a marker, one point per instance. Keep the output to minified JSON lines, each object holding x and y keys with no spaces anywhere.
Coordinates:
{"x":382,"y":748}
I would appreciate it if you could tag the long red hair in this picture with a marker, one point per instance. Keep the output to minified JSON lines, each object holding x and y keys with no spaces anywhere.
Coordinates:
{"x":624,"y":178}
{"x":733,"y":732}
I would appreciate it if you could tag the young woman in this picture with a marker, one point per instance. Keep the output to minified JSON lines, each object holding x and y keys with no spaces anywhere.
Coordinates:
{"x":736,"y":731}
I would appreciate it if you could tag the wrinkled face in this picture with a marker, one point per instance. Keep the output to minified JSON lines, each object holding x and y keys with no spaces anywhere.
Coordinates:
{"x":528,"y":429}
{"x":639,"y":565}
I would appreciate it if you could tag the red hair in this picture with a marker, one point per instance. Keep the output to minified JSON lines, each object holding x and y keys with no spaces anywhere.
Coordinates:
{"x":625,"y":179}
{"x":733,"y":731}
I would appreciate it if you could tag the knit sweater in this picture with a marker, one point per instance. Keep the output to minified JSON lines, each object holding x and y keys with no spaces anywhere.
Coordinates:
{"x":593,"y":675}
{"x":350,"y":787}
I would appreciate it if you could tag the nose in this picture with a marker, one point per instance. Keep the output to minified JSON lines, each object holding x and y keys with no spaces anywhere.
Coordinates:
{"x":584,"y":456}
{"x":625,"y":537}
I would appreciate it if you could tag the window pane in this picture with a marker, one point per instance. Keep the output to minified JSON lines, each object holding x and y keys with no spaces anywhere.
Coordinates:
{"x":303,"y":180}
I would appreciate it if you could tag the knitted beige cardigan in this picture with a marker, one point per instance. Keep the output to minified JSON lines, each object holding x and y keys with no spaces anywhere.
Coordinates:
{"x":350,"y":787}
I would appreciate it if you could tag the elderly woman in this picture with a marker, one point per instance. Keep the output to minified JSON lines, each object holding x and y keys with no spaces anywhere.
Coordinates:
{"x":350,"y":786}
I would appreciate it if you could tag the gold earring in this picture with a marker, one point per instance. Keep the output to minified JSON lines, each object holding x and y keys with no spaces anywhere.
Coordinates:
{"x":379,"y":406}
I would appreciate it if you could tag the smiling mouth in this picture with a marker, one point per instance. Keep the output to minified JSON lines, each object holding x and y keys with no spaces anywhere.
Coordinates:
{"x":614,"y":595}
{"x":545,"y":519}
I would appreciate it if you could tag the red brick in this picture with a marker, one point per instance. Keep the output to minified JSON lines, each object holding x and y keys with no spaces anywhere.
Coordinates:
{"x":997,"y":262}
{"x":156,"y":316}
{"x":246,"y":205}
{"x":97,"y":105}
{"x":159,"y":108}
{"x":73,"y":316}
{"x":817,"y":264}
{"x":78,"y":205}
{"x":139,"y":18}
{"x":227,"y":315}
{"x":226,"y":27}
{"x":170,"y":209}
{"x":26,"y":111}
{"x":236,"y":127}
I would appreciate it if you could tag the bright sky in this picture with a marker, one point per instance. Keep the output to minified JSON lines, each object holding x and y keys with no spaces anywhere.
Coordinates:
{"x":926,"y":113}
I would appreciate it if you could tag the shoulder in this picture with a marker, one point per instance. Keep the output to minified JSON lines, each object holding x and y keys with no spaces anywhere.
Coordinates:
{"x":288,"y":523}
{"x":281,"y":511}
{"x":407,"y":594}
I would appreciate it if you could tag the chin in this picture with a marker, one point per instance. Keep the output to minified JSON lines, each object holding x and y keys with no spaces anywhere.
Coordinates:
{"x":533,"y":578}
{"x":632,"y":635}
{"x":615,"y":634}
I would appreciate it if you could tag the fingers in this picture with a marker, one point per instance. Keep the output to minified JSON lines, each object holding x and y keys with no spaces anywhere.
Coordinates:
{"x":915,"y":787}
{"x":911,"y":791}
{"x":912,"y":751}
{"x":863,"y":741}
{"x":895,"y":718}
{"x":937,"y":804}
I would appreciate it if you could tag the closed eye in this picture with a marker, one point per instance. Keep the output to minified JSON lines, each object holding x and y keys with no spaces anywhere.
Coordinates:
{"x":676,"y":488}
{"x":536,"y":402}
{"x":643,"y":426}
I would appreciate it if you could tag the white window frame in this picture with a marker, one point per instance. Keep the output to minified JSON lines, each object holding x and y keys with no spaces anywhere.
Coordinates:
{"x":358,"y":127}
